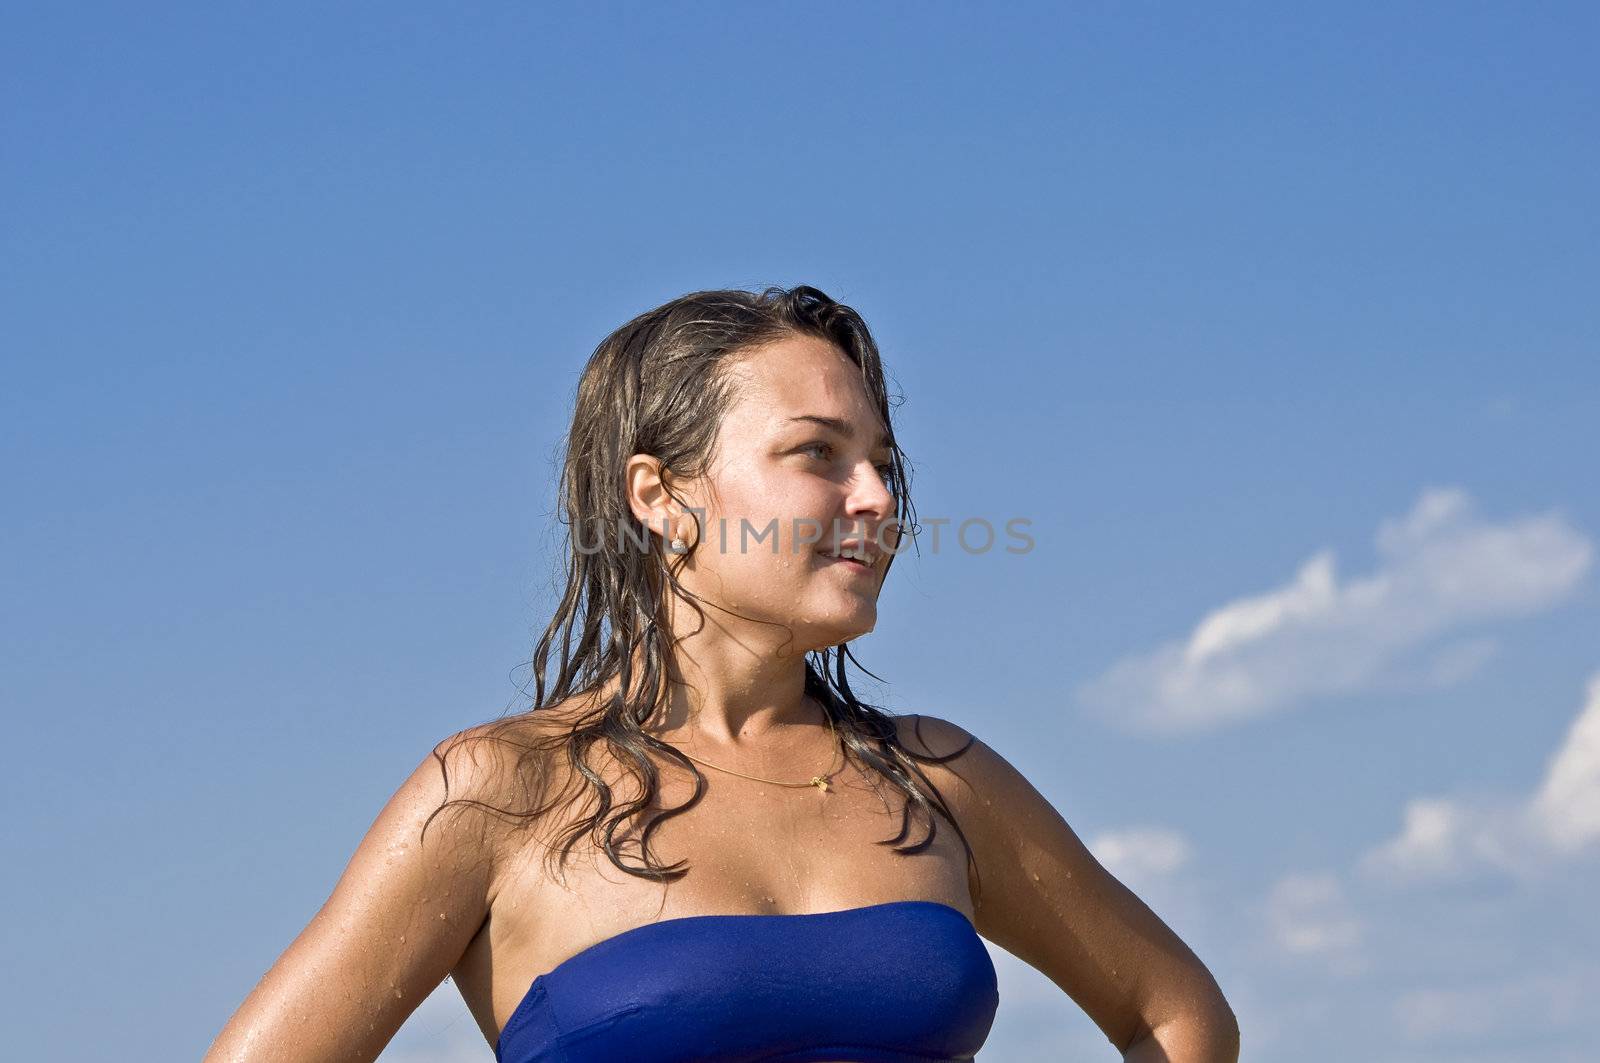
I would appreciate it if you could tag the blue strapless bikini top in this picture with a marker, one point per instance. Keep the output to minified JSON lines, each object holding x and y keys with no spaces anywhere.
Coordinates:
{"x":901,"y":982}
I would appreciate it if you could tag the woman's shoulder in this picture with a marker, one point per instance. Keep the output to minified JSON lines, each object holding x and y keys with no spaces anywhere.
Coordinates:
{"x":505,"y":763}
{"x":517,"y":730}
{"x":930,"y":736}
{"x":942,"y":750}
{"x":492,"y":762}
{"x":974,"y":771}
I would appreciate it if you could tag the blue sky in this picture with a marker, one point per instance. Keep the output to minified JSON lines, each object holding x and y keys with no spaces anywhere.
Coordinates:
{"x":1279,"y":325}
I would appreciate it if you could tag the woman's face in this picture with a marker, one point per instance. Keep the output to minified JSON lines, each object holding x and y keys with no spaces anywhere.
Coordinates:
{"x":798,"y":468}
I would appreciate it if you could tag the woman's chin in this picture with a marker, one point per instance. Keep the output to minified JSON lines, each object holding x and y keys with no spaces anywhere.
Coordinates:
{"x":822,"y":634}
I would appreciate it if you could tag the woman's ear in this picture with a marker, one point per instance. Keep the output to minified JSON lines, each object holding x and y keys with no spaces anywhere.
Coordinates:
{"x":646,"y":480}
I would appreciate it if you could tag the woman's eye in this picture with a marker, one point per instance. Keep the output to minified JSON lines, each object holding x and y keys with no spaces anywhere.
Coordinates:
{"x":885,"y":469}
{"x":819,"y":446}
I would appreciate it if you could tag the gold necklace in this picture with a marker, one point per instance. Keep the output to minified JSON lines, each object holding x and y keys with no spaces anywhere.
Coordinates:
{"x":819,"y":781}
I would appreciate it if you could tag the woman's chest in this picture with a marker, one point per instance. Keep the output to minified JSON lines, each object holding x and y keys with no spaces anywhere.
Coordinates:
{"x":746,"y":850}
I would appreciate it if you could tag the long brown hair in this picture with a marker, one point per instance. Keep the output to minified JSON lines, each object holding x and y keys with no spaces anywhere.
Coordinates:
{"x":658,"y":385}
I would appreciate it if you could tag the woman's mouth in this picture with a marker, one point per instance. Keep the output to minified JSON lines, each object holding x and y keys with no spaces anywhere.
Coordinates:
{"x":860,"y":567}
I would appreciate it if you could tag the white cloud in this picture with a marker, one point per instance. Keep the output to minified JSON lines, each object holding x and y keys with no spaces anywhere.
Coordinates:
{"x":1308,"y":916}
{"x":1566,"y":808}
{"x":1440,"y":568}
{"x":1458,"y":661}
{"x":1443,"y":837}
{"x":1141,"y":853}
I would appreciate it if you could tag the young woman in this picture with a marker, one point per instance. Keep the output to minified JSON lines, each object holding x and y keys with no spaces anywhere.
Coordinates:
{"x":735,"y":497}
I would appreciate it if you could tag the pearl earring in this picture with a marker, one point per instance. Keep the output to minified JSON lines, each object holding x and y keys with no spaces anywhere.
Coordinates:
{"x":678,"y":546}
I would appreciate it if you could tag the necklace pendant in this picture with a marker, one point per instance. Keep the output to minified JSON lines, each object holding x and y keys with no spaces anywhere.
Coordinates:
{"x":820,"y":783}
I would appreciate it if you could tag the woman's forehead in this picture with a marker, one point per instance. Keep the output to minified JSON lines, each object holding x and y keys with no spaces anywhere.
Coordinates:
{"x":791,"y":383}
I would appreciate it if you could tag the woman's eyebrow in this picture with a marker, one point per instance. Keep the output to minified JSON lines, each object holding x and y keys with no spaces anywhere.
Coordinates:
{"x":844,"y":428}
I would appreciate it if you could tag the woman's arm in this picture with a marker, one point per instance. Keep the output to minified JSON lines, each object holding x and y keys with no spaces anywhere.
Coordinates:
{"x":1045,"y":899}
{"x":1214,"y":1036}
{"x":395,"y":925}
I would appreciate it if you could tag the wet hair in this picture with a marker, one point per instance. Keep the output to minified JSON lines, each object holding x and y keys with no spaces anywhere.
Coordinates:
{"x":660,"y":385}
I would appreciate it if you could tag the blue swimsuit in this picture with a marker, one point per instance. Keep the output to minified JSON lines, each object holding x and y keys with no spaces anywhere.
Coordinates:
{"x":901,"y":982}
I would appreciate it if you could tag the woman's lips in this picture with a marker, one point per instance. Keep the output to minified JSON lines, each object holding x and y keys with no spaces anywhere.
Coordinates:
{"x":855,"y":566}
